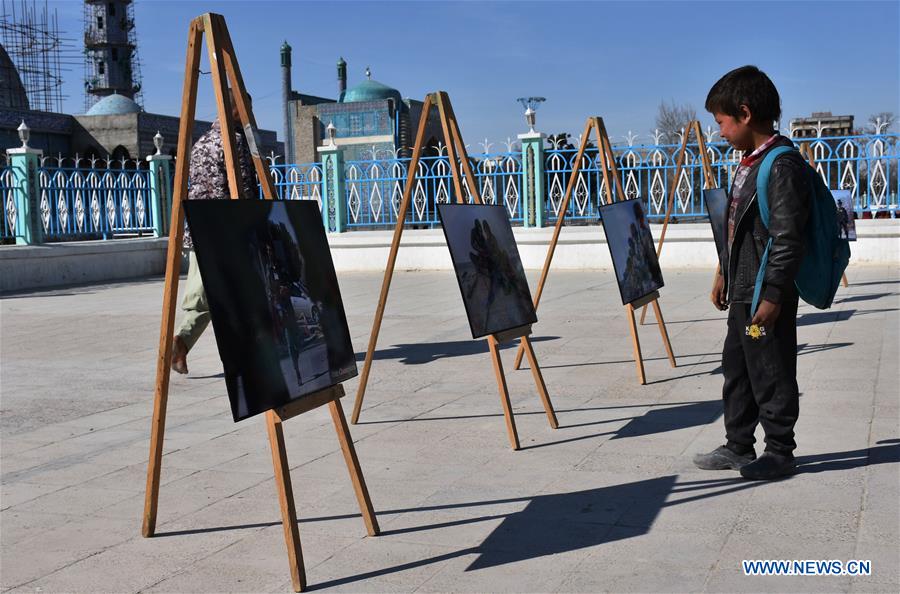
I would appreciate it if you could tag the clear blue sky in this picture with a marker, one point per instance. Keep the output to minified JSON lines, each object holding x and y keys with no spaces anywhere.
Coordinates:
{"x":614,"y":59}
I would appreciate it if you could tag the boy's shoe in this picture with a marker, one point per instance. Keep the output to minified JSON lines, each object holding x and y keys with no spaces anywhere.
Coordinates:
{"x":722,"y":458}
{"x":769,"y":466}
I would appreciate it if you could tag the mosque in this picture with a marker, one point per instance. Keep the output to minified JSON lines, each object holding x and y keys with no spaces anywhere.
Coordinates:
{"x":371,"y":119}
{"x":115,"y":124}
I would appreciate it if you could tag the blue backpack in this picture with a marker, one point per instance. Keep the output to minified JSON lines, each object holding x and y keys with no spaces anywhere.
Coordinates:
{"x":826,"y":254}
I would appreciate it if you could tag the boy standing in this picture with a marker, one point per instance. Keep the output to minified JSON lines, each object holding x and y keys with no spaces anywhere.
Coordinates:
{"x":759,"y":358}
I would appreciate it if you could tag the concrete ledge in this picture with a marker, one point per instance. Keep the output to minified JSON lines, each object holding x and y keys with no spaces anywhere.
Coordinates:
{"x":580,"y":248}
{"x":687,"y":245}
{"x":55,"y":264}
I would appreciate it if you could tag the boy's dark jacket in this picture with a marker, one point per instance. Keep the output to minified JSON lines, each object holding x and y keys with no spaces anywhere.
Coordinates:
{"x":789,"y":197}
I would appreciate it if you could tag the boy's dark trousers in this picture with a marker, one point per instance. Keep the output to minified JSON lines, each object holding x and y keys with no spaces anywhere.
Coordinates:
{"x":761,"y":380}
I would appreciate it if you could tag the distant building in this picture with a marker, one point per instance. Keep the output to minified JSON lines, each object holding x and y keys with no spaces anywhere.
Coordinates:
{"x":115,"y":126}
{"x":822,"y":123}
{"x":372,"y":120}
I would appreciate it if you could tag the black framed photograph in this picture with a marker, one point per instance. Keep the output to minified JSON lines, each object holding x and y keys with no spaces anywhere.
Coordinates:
{"x":488,"y":268}
{"x":632,"y":249}
{"x":274,"y":300}
{"x":716,"y":200}
{"x":846,"y":216}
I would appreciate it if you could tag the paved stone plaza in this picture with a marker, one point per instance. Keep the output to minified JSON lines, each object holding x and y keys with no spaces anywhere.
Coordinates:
{"x":608,"y":502}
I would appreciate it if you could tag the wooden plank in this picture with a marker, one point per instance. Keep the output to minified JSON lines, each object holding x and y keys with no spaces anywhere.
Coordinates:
{"x":453,"y":124}
{"x":356,"y":475}
{"x":250,"y":129}
{"x":286,"y":501}
{"x":309,"y":402}
{"x":451,"y":147}
{"x":663,"y":332}
{"x":223,"y":103}
{"x":636,"y":344}
{"x":173,"y":269}
{"x":612,"y":168}
{"x":539,"y":382}
{"x":504,"y":393}
{"x":551,"y":249}
{"x":392,"y":258}
{"x":512,"y":334}
{"x":645,"y":300}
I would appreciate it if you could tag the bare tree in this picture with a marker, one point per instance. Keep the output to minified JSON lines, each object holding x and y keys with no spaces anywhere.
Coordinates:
{"x":883,"y":117}
{"x":672,"y":117}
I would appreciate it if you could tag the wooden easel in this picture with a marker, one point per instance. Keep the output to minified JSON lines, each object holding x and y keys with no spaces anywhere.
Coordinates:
{"x":709,"y":182}
{"x":806,"y":151}
{"x":609,"y":172}
{"x":457,"y":156}
{"x":224,"y":66}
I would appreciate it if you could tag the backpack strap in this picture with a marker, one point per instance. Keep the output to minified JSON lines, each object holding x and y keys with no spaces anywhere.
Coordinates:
{"x":762,"y":199}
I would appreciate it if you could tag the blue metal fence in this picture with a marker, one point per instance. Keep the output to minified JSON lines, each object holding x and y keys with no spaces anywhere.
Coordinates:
{"x":93,"y":198}
{"x":81,"y":198}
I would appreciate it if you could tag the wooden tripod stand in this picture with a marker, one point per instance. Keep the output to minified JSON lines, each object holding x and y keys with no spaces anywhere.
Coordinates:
{"x":610,"y":176}
{"x":225,"y":69}
{"x":709,"y":181}
{"x":458,"y":157}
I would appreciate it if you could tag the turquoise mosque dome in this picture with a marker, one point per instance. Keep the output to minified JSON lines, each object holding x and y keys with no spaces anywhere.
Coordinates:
{"x":370,"y":90}
{"x":114,"y":105}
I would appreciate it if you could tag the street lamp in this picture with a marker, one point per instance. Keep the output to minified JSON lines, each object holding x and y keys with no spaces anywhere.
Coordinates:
{"x":158,"y":142}
{"x":24,"y":134}
{"x":332,"y":133}
{"x":530,"y":104}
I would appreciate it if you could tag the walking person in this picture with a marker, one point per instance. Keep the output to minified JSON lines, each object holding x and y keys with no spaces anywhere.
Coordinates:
{"x":208,"y":181}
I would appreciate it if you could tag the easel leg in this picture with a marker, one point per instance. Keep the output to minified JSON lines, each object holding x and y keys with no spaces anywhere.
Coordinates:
{"x":844,"y":280}
{"x":663,"y":332}
{"x":504,"y":394}
{"x":286,"y":501}
{"x":539,"y":382}
{"x":356,"y":476}
{"x":643,"y":315}
{"x":638,"y":359}
{"x":520,"y":352}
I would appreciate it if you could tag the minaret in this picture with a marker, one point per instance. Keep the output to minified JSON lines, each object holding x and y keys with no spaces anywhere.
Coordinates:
{"x":110,"y":48}
{"x":285,"y":102}
{"x":342,"y":77}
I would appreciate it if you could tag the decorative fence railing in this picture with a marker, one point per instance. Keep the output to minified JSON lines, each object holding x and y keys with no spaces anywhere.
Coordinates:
{"x":101,"y":199}
{"x":93,"y":199}
{"x":8,"y":198}
{"x":866,"y":165}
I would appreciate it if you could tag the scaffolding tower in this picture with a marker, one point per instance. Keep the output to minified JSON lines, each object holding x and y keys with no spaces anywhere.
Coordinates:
{"x":31,"y":38}
{"x":111,"y":60}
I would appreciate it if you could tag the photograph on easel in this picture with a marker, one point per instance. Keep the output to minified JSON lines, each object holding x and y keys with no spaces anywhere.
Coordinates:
{"x":274,"y":300}
{"x":488,"y":268}
{"x":846,"y":217}
{"x":632,"y":249}
{"x":716,"y":205}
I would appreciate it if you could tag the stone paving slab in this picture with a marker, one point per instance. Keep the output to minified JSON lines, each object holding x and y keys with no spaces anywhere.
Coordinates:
{"x":608,"y":502}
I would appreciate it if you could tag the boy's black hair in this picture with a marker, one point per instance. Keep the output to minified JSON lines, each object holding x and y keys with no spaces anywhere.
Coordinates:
{"x":747,"y":85}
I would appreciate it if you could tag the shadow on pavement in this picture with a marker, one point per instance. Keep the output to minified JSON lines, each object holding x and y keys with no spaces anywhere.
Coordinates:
{"x":426,"y":352}
{"x":560,"y":522}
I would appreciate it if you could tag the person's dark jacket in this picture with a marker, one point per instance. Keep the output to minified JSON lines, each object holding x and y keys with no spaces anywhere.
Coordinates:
{"x":789,"y":198}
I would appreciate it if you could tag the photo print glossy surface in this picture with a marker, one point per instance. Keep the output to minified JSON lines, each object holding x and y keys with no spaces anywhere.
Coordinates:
{"x":486,"y":260}
{"x":274,"y":300}
{"x":632,"y":249}
{"x":717,"y":206}
{"x":846,"y":217}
